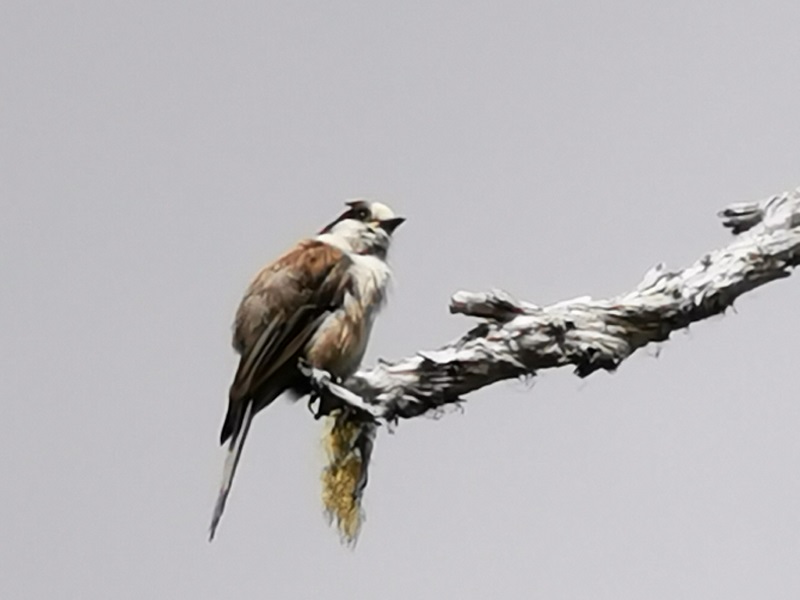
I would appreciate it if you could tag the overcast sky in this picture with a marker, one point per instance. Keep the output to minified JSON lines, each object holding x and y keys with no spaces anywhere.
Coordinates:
{"x":153,"y":155}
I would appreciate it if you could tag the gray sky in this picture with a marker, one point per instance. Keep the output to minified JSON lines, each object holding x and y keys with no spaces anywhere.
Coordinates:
{"x":154,"y":154}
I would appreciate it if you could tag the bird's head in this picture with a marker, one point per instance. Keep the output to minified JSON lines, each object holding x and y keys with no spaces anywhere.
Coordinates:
{"x":366,"y":227}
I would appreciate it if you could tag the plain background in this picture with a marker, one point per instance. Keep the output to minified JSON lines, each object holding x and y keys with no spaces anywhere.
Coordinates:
{"x":155,"y":154}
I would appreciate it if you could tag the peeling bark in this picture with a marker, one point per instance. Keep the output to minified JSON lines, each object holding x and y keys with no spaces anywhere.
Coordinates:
{"x":519,"y":339}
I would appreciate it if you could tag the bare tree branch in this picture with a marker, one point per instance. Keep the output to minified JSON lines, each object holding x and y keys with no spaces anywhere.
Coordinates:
{"x":518,"y":339}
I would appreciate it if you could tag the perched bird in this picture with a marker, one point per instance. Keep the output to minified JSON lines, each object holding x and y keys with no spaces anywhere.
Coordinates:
{"x":315,"y":303}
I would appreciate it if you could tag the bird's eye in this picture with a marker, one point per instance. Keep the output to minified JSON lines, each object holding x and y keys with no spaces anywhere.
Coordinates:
{"x":362,"y":214}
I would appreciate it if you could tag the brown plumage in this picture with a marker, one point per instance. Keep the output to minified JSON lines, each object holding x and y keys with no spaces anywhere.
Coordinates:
{"x":316,"y":302}
{"x":283,"y":307}
{"x":281,"y":310}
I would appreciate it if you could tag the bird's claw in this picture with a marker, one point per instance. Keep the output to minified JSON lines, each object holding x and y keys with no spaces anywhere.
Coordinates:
{"x":321,"y":383}
{"x":331,"y":393}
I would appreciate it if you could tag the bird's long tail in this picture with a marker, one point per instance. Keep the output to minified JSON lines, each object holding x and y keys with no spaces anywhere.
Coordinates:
{"x":348,"y":443}
{"x":231,"y":462}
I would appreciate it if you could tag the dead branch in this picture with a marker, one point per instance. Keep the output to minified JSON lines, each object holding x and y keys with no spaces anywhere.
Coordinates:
{"x":516,"y":339}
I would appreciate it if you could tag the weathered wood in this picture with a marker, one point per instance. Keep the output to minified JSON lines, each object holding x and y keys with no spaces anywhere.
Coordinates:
{"x":518,"y":339}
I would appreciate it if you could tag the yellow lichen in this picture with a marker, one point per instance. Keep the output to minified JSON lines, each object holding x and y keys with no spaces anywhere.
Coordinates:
{"x":343,"y":475}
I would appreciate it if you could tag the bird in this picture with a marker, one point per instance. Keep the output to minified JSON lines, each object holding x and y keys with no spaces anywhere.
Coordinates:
{"x":315,"y":304}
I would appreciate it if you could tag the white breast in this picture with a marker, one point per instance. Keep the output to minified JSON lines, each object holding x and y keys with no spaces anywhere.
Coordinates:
{"x":341,"y":340}
{"x":371,"y":276}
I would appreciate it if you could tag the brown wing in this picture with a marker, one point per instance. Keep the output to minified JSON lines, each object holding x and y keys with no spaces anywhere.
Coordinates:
{"x":283,"y":307}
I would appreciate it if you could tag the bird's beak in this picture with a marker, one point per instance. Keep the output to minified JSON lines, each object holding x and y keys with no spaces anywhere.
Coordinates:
{"x":389,"y":225}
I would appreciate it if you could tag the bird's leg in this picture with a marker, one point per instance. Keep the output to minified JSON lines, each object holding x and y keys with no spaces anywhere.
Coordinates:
{"x":330,"y":393}
{"x":321,"y":383}
{"x":313,"y":397}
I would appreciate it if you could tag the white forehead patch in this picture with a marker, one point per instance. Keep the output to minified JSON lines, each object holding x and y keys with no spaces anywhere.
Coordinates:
{"x":381,"y":212}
